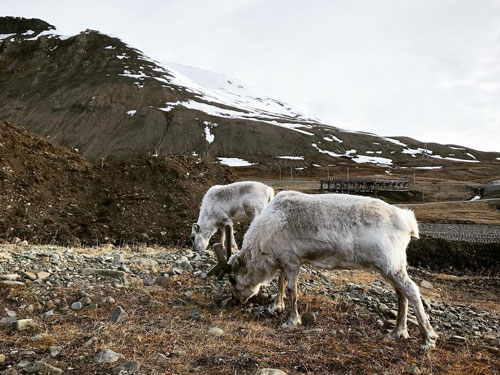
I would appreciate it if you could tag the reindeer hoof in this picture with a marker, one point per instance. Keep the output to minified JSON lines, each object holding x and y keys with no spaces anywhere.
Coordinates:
{"x":275,"y":308}
{"x":398,"y":334}
{"x":291,"y":323}
{"x":429,"y":341}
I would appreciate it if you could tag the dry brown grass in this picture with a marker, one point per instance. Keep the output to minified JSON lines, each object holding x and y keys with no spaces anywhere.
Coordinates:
{"x":487,"y":212}
{"x":160,"y":334}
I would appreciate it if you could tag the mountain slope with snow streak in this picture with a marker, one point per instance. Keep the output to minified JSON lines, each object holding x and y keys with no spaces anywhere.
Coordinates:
{"x":110,"y":101}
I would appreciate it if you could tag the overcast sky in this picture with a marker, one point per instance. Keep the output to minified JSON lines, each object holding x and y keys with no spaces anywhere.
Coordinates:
{"x":428,"y":69}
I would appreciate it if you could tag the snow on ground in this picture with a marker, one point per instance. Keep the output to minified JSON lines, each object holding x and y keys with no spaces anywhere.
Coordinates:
{"x":109,"y":47}
{"x":392,"y":140}
{"x":453,"y":159}
{"x":332,"y":138}
{"x":331,"y":153}
{"x":433,"y":167}
{"x":209,"y":136}
{"x":372,"y":159}
{"x":291,"y":157}
{"x":235,"y":162}
{"x":5,"y":36}
{"x":131,"y":112}
{"x":476,"y":198}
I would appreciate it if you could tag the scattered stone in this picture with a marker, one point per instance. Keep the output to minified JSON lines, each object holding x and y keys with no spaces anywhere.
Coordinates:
{"x":120,"y":275}
{"x":22,"y":324}
{"x":98,"y":326}
{"x":2,"y":358}
{"x":77,"y":306}
{"x":108,"y":300}
{"x":107,"y":356}
{"x":30,"y":275}
{"x":194,"y":315}
{"x":393,"y":313}
{"x":458,"y":338}
{"x":309,"y":318}
{"x":215,"y":331}
{"x":9,"y":371}
{"x":118,"y":315}
{"x":43,"y":275}
{"x":10,"y":276}
{"x":270,"y":371}
{"x":11,"y":284}
{"x":426,"y":284}
{"x":55,"y":350}
{"x":127,"y":367}
{"x":43,"y":368}
{"x":413,"y":370}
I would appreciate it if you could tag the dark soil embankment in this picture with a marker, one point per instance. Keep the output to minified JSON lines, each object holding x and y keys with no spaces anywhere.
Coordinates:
{"x":454,"y":256}
{"x":49,"y":194}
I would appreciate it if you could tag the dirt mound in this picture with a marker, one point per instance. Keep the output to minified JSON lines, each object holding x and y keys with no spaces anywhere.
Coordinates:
{"x":50,"y":194}
{"x":456,"y":256}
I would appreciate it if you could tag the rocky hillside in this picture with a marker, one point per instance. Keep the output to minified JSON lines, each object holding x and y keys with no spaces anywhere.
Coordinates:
{"x":50,"y":194}
{"x":108,"y":100}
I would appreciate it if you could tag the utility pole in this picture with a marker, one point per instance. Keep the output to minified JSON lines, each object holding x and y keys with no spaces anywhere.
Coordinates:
{"x":347,"y":173}
{"x":328,"y":170}
{"x":280,"y":171}
{"x":291,"y":174}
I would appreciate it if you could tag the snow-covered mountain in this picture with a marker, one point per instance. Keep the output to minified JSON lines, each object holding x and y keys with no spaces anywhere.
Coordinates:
{"x":109,"y":100}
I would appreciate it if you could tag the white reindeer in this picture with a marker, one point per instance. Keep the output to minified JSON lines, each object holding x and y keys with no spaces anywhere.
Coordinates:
{"x":330,"y":231}
{"x":223,"y":204}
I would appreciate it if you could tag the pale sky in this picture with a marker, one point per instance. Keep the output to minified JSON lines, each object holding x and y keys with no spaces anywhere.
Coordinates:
{"x":428,"y":69}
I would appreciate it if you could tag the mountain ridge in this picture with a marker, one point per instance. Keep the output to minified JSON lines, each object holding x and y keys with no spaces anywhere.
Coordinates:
{"x":110,"y":101}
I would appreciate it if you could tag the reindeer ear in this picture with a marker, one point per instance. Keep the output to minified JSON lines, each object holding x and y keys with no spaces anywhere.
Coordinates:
{"x":196,"y":227}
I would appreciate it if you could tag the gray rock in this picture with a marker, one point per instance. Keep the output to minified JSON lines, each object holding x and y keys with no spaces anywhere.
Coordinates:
{"x":10,"y":371}
{"x":413,"y":370}
{"x":120,"y":275}
{"x":43,"y":368}
{"x":194,"y":315}
{"x":118,"y":315}
{"x":127,"y":367}
{"x":30,"y":275}
{"x":107,"y":356}
{"x":270,"y":371}
{"x":426,"y":284}
{"x":22,"y":324}
{"x":215,"y":331}
{"x":76,"y":306}
{"x":10,"y":276}
{"x":11,"y":284}
{"x":43,"y":275}
{"x":55,"y":350}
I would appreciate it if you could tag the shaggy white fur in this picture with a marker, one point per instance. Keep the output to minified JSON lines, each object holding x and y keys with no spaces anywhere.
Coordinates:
{"x":330,"y":231}
{"x":223,"y":204}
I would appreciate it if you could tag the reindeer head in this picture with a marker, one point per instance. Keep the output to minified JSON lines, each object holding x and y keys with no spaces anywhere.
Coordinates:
{"x":198,"y":238}
{"x":235,"y":266}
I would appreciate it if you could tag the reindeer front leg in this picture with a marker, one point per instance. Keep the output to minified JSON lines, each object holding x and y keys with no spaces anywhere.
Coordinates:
{"x":291,"y":288}
{"x":279,"y":304}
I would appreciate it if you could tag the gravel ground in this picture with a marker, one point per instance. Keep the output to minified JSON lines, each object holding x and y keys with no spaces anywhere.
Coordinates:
{"x":42,"y":286}
{"x":475,"y":233}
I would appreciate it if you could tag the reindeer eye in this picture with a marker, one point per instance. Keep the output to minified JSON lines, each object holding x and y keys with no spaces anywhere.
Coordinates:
{"x":232,"y":280}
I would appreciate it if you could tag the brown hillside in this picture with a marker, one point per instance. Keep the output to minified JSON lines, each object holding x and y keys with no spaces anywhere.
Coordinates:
{"x":50,"y":194}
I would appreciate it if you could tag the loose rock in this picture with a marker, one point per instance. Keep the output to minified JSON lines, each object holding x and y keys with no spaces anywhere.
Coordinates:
{"x":270,"y":371}
{"x":127,"y":367}
{"x":107,"y":356}
{"x":118,"y":315}
{"x":215,"y":331}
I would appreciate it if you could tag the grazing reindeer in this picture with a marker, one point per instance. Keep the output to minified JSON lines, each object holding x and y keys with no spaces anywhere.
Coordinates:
{"x":224,"y":203}
{"x":331,"y":231}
